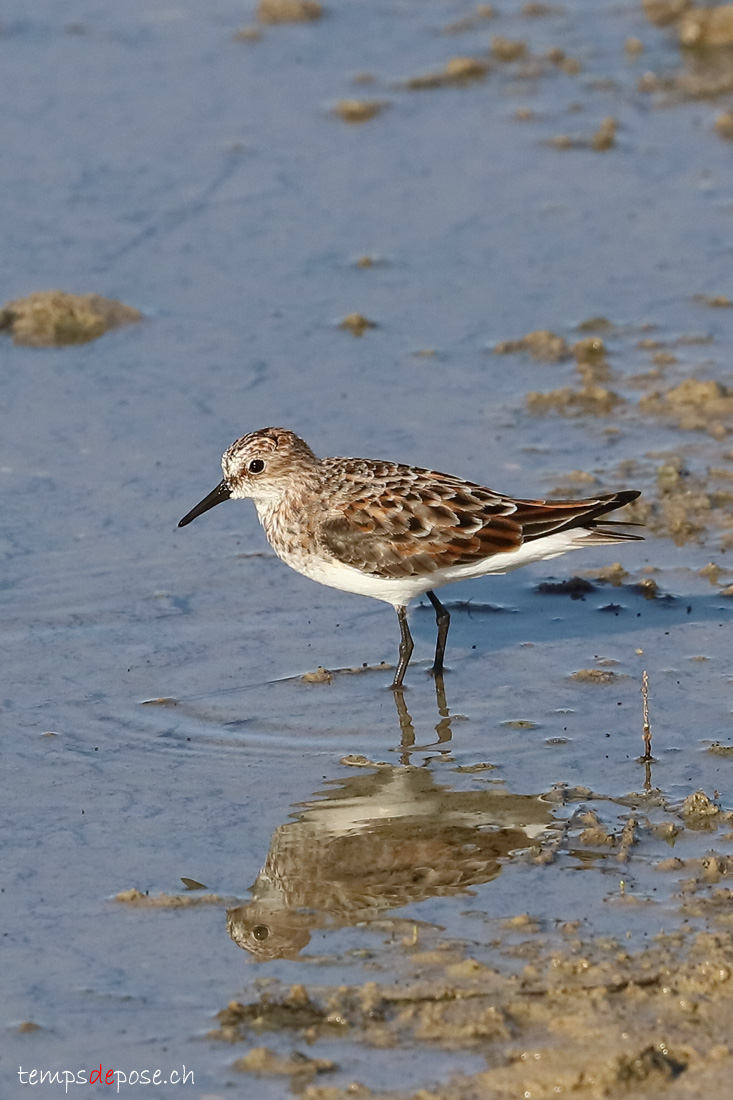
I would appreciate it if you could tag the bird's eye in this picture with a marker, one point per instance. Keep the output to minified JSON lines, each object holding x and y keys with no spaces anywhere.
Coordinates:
{"x":256,"y":466}
{"x":261,"y":932}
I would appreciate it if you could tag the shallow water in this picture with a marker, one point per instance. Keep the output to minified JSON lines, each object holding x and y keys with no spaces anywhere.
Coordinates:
{"x":155,"y":722}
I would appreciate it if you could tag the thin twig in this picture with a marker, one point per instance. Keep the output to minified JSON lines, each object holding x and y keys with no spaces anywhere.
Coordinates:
{"x":646,"y":728}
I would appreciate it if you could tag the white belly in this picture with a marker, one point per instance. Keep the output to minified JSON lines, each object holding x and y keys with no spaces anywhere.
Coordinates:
{"x":399,"y":591}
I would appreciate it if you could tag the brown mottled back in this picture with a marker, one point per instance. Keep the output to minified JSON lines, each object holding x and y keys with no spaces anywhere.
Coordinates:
{"x":397,"y":521}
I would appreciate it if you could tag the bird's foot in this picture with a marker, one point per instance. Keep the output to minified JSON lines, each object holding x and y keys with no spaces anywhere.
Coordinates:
{"x":437,"y":673}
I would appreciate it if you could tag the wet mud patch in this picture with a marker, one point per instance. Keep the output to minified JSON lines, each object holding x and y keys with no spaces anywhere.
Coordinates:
{"x":550,"y":1006}
{"x":579,"y":1016}
{"x":687,"y":488}
{"x":548,"y":1003}
{"x":55,"y":318}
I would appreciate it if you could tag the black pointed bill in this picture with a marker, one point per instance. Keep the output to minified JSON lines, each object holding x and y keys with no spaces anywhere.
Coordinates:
{"x":216,"y":496}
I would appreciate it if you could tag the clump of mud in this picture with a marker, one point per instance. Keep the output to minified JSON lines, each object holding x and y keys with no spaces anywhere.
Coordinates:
{"x":601,"y":141}
{"x":685,"y":506}
{"x":551,"y":1007}
{"x":508,"y":59}
{"x":590,"y":353}
{"x":605,"y":136}
{"x":724,"y":125}
{"x":548,"y":347}
{"x":594,"y":676}
{"x":665,"y":12}
{"x":358,"y":110}
{"x":247,"y":34}
{"x":288,"y":11}
{"x":714,"y":301}
{"x":588,"y":400}
{"x":459,"y":70}
{"x":507,"y":49}
{"x":298,"y":1066}
{"x":577,"y":588}
{"x":687,"y":492}
{"x":695,"y":405}
{"x":707,"y":27}
{"x":53,"y":318}
{"x":357,"y":324}
{"x":472,"y":21}
{"x":543,"y":345}
{"x":705,"y":35}
{"x":137,"y":899}
{"x":583,"y":1016}
{"x":568,"y":65}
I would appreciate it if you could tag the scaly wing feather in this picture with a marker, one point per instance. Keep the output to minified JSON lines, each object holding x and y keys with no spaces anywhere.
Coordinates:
{"x":396,"y":521}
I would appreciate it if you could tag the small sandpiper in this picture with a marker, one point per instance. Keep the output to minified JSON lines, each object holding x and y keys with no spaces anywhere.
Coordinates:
{"x":394,"y":532}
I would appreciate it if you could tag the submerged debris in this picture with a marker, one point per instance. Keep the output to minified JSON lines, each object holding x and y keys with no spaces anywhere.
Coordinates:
{"x":595,"y":324}
{"x":247,"y":34}
{"x":575,"y":587}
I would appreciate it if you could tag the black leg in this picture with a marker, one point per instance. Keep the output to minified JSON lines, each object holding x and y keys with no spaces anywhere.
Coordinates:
{"x":442,"y":618}
{"x":406,"y":647}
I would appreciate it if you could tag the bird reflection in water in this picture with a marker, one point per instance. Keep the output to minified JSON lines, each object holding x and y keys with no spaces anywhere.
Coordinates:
{"x":376,"y":841}
{"x":407,"y":728}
